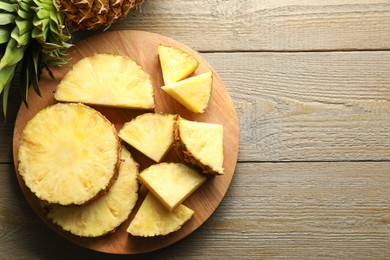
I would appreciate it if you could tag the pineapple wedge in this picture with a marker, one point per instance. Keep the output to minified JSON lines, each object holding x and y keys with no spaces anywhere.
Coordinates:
{"x":153,"y":219}
{"x":194,"y":93}
{"x":171,"y":183}
{"x":175,"y":64}
{"x":200,"y":144}
{"x":107,"y":212}
{"x":150,"y":133}
{"x":68,"y":154}
{"x":107,"y":80}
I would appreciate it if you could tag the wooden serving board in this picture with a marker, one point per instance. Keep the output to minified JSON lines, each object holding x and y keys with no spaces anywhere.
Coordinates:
{"x":142,"y":47}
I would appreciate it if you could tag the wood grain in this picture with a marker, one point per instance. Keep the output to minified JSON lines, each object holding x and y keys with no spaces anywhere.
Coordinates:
{"x":142,"y":47}
{"x":310,"y":106}
{"x":312,"y":210}
{"x":294,"y":25}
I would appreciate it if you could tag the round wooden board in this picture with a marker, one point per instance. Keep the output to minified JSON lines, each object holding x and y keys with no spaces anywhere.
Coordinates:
{"x":142,"y":47}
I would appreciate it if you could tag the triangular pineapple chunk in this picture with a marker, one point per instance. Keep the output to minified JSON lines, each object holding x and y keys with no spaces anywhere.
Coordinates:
{"x":200,"y":144}
{"x":175,"y":64}
{"x":68,"y":154}
{"x":171,"y":183}
{"x":150,"y":133}
{"x":194,"y":93}
{"x":107,"y":212}
{"x":107,"y":80}
{"x":153,"y":219}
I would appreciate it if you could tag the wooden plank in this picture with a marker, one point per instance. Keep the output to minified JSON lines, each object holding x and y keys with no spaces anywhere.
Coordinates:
{"x":331,"y":106}
{"x":312,"y":210}
{"x":287,"y":25}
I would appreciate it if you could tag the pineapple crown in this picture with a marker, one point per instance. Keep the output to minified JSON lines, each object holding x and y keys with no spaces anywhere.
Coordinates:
{"x":31,"y":38}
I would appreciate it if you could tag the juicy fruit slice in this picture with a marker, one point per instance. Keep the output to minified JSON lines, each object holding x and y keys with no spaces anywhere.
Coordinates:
{"x":200,"y":144}
{"x":153,"y":219}
{"x":107,"y":212}
{"x":175,"y":64}
{"x":68,"y":154}
{"x":150,"y":133}
{"x":194,"y":93}
{"x":171,"y":183}
{"x":107,"y":80}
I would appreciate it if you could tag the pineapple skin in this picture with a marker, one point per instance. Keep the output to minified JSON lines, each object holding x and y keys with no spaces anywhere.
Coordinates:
{"x":185,"y":154}
{"x":31,"y":148}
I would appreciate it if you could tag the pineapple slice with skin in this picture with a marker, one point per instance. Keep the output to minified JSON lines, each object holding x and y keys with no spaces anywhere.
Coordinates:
{"x":194,"y":93}
{"x":200,"y":144}
{"x":153,"y":219}
{"x":105,"y":214}
{"x":171,"y":183}
{"x":175,"y":64}
{"x":68,"y":154}
{"x":107,"y":80}
{"x":150,"y":133}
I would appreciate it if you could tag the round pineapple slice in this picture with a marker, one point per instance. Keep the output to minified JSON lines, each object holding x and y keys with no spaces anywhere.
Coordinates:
{"x":107,"y":212}
{"x":68,"y":154}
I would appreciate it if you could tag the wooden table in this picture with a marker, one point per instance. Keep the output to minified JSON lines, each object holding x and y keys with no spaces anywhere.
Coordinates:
{"x":310,"y":81}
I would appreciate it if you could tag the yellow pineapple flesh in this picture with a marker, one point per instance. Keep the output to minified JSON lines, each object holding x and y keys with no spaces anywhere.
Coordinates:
{"x":106,"y":213}
{"x":200,"y":144}
{"x":171,"y":183}
{"x":175,"y":63}
{"x":150,"y":133}
{"x":153,"y":219}
{"x":194,"y":93}
{"x":107,"y":80}
{"x":68,"y":154}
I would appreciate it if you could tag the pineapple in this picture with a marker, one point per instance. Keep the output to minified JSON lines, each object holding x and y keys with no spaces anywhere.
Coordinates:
{"x":107,"y":212}
{"x":175,"y":64}
{"x":32,"y":37}
{"x":153,"y":219}
{"x":107,"y":80}
{"x":171,"y":183}
{"x":95,"y":14}
{"x":150,"y":133}
{"x":68,"y":154}
{"x":200,"y":144}
{"x":194,"y":93}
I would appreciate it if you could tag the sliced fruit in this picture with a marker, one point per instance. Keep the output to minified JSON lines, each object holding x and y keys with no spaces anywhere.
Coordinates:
{"x":194,"y":93}
{"x":107,"y":212}
{"x":175,"y":64}
{"x":107,"y":80}
{"x":150,"y":133}
{"x":153,"y":219}
{"x":171,"y":183}
{"x":200,"y":144}
{"x":68,"y":154}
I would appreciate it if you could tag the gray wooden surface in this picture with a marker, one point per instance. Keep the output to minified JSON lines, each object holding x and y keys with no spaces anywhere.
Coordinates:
{"x":310,"y":81}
